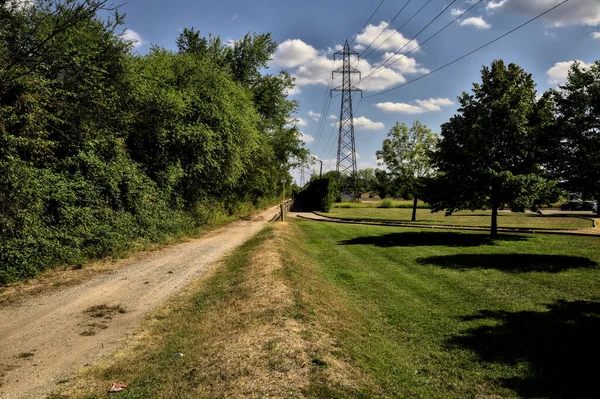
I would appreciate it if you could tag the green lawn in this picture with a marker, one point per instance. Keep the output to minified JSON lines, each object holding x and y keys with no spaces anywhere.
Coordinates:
{"x":467,"y":218}
{"x":455,"y":315}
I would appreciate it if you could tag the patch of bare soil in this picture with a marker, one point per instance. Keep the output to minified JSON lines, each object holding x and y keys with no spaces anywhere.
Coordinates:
{"x":46,"y":338}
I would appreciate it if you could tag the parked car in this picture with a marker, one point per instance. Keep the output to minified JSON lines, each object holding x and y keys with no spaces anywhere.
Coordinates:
{"x":589,"y":206}
{"x":572,"y":206}
{"x":578,"y":205}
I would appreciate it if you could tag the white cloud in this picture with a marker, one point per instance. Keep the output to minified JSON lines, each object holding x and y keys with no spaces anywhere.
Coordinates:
{"x":366,"y":124}
{"x":132,"y":36}
{"x":455,"y":12}
{"x":333,"y":117}
{"x":295,"y":90}
{"x":477,"y":22}
{"x":292,"y":53}
{"x":396,"y":39}
{"x":560,"y":71}
{"x":359,"y":47}
{"x":234,"y":17}
{"x":313,"y":67}
{"x":307,"y":138}
{"x":403,"y":64}
{"x":363,"y":123}
{"x":297,"y":121}
{"x":596,"y":35}
{"x":579,"y":12}
{"x":422,"y":106}
{"x":495,"y":4}
{"x":315,"y":116}
{"x":315,"y":71}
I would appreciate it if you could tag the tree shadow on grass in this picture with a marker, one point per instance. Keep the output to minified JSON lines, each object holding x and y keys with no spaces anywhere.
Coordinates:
{"x":431,"y":238}
{"x":516,"y":263}
{"x":560,"y":348}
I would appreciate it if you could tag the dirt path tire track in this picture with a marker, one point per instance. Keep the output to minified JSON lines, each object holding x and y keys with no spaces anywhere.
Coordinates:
{"x":40,"y":338}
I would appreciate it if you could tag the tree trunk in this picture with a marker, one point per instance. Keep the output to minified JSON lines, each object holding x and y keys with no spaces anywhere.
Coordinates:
{"x":414,"y":214}
{"x":494,"y":229}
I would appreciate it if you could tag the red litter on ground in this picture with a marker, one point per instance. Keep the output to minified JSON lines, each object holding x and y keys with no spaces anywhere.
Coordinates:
{"x":117,"y":388}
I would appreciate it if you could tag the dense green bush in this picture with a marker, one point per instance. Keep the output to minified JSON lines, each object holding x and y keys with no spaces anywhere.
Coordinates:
{"x":318,"y":195}
{"x":100,"y":148}
{"x":387,"y":203}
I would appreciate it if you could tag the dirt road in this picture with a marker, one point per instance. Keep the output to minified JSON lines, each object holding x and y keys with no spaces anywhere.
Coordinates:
{"x":46,"y":338}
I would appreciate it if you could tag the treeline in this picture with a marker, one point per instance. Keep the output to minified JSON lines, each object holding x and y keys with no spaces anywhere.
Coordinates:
{"x":101,"y":147}
{"x":505,"y":146}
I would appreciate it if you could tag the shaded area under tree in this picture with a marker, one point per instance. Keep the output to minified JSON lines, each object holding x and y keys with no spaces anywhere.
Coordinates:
{"x":518,"y":263}
{"x":559,"y":347}
{"x":430,"y":238}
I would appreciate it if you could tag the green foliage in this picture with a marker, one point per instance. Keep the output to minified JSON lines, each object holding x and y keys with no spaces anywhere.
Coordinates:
{"x":100,"y":148}
{"x":407,"y":153}
{"x":487,"y":156}
{"x":318,"y":195}
{"x":387,"y":203}
{"x":571,"y":142}
{"x":477,"y":316}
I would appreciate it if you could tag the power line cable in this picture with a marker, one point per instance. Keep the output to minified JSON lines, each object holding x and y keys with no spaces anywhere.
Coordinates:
{"x":368,"y":20}
{"x":387,"y":26}
{"x":365,"y":13}
{"x":383,"y":65}
{"x":326,"y":103}
{"x":470,"y":52}
{"x":398,"y":30}
{"x":435,"y":34}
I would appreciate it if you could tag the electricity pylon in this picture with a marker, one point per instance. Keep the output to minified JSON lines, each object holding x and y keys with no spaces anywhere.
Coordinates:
{"x":346,"y":155}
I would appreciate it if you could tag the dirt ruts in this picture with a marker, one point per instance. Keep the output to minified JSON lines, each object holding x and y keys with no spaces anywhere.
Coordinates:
{"x":46,"y":338}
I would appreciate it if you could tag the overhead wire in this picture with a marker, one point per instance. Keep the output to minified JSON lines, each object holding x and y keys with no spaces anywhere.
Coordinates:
{"x":434,"y":35}
{"x":368,"y":20}
{"x":327,"y":101}
{"x":383,"y":65}
{"x":396,"y":31}
{"x":470,"y":52}
{"x":364,"y":13}
{"x":387,"y":26}
{"x":324,"y":110}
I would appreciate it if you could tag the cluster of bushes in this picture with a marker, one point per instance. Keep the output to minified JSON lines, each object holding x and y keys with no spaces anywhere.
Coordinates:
{"x":318,"y":195}
{"x":390,"y":203}
{"x":100,"y":147}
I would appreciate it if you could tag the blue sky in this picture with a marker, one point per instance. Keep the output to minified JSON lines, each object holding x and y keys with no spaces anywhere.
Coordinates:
{"x":309,"y":31}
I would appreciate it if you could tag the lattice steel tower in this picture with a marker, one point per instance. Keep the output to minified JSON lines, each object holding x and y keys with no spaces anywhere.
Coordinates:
{"x":346,"y":155}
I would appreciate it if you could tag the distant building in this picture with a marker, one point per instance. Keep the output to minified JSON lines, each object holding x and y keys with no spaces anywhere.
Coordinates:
{"x":369,"y":195}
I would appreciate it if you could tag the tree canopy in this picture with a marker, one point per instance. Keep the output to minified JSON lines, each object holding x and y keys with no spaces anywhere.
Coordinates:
{"x":100,"y":147}
{"x":407,"y":154}
{"x":571,"y":143}
{"x":487,"y":155}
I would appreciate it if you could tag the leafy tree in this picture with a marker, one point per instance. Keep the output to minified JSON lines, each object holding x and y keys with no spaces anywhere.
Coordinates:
{"x":385,"y":186}
{"x":185,"y":133}
{"x":365,"y":179}
{"x":100,"y":147}
{"x":572,"y":142}
{"x":407,"y":154}
{"x":487,"y":156}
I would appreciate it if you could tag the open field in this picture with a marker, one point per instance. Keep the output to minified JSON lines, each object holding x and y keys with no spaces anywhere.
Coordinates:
{"x":449,"y":314}
{"x":468,"y":218}
{"x":346,"y":311}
